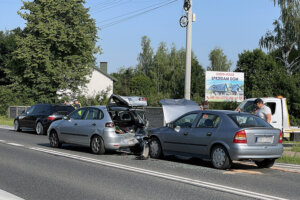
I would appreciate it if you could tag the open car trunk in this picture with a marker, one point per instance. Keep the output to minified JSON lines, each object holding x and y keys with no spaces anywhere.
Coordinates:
{"x":128,"y":113}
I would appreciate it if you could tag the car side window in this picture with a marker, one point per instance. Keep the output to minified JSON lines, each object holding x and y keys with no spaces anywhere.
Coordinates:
{"x":208,"y":121}
{"x":186,"y":121}
{"x":93,"y":114}
{"x":30,"y":110}
{"x":77,"y":114}
{"x":42,"y":110}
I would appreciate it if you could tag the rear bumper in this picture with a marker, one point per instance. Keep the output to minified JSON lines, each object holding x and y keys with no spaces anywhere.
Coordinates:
{"x":243,"y":151}
{"x":114,"y":141}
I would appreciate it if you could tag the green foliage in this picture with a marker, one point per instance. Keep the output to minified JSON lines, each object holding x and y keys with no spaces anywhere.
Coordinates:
{"x":264,"y":77}
{"x":9,"y":97}
{"x":218,"y":61}
{"x":100,"y":98}
{"x":7,"y":46}
{"x":56,"y":49}
{"x":160,"y":75}
{"x":140,"y":85}
{"x":285,"y":35}
{"x":145,"y":58}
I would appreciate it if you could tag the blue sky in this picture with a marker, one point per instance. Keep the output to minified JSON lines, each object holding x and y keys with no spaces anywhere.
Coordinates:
{"x":233,"y":25}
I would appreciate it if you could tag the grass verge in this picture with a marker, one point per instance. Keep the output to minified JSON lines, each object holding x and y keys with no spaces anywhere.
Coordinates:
{"x":6,"y":121}
{"x":289,"y":159}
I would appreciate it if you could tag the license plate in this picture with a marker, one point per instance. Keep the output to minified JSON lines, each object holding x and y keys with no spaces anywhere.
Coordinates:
{"x":264,"y":139}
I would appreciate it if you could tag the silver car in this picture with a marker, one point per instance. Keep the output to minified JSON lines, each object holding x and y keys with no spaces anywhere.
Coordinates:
{"x":92,"y":127}
{"x":218,"y":136}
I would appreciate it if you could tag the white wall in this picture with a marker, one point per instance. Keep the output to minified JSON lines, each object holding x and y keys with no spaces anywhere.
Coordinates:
{"x":98,"y":82}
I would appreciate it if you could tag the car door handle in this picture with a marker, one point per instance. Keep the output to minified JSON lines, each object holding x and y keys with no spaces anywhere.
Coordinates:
{"x":185,"y":133}
{"x":209,"y":134}
{"x":274,"y":122}
{"x":75,"y":124}
{"x":93,"y":124}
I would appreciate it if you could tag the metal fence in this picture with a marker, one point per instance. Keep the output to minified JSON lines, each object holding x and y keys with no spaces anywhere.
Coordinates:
{"x":14,"y":111}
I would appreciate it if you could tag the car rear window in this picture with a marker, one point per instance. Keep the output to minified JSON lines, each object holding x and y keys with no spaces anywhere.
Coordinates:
{"x":63,"y":110}
{"x":244,"y":121}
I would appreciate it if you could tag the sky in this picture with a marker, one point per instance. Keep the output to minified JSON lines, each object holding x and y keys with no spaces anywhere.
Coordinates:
{"x":232,"y":25}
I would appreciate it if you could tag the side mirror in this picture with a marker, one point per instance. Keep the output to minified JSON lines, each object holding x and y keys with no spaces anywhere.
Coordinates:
{"x":66,"y":118}
{"x":177,"y":129}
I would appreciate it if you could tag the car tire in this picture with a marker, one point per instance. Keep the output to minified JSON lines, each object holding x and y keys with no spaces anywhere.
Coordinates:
{"x":17,"y":126}
{"x":54,"y":140}
{"x":97,"y":145}
{"x":266,"y":163}
{"x":220,"y":158}
{"x":39,"y":129}
{"x":155,"y":149}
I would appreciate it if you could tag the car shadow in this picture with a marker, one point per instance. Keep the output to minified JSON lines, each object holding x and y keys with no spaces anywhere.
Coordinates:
{"x":81,"y":149}
{"x":25,"y":131}
{"x":246,"y":165}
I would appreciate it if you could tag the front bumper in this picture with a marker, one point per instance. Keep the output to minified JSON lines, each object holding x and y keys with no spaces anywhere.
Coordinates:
{"x":243,"y":151}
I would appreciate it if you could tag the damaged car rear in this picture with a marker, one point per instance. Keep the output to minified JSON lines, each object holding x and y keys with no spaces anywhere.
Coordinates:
{"x":101,"y":128}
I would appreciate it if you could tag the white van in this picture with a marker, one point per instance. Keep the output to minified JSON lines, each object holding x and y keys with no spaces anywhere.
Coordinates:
{"x":280,"y":115}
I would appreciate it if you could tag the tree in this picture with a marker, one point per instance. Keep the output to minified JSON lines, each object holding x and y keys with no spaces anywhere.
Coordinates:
{"x":145,"y":58}
{"x":285,"y":35}
{"x":140,"y":85}
{"x":8,"y":45}
{"x":218,"y":61}
{"x":56,"y":50}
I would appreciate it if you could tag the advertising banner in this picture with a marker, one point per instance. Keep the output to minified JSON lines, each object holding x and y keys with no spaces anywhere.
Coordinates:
{"x":224,"y":86}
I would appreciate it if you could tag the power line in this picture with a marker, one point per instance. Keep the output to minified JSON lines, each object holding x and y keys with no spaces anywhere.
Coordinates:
{"x":138,"y":13}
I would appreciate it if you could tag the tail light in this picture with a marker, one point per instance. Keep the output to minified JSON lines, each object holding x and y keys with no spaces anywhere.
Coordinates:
{"x":109,"y":125}
{"x":280,"y":138}
{"x":240,"y":137}
{"x":143,"y":99}
{"x":51,"y":118}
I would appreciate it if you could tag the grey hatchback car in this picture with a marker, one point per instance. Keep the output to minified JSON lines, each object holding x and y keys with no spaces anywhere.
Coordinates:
{"x":92,"y":127}
{"x":218,"y":136}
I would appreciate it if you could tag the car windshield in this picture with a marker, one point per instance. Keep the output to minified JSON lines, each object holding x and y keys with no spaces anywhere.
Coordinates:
{"x":247,"y":106}
{"x":246,"y":120}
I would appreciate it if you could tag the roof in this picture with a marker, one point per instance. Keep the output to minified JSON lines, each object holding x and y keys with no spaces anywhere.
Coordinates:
{"x":234,"y":87}
{"x":107,"y":75}
{"x":219,"y":87}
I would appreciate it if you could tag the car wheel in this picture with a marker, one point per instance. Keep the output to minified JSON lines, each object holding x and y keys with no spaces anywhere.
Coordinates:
{"x":97,"y":145}
{"x":220,"y":158}
{"x":39,"y":129}
{"x":155,"y":148}
{"x":17,"y":126}
{"x":54,"y":141}
{"x":267,"y":163}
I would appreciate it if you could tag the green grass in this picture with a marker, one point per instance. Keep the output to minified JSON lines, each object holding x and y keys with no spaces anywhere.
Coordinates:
{"x":296,"y":148}
{"x":290,"y":142}
{"x":6,"y":121}
{"x":289,"y":160}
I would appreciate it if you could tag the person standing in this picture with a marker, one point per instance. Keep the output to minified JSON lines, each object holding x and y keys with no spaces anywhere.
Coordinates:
{"x":77,"y":104}
{"x":262,"y":111}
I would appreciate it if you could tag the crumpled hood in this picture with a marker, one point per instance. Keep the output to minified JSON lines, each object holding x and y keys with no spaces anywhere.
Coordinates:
{"x":174,"y":108}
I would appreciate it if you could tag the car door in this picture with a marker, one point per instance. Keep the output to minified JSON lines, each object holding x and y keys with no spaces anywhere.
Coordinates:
{"x":200,"y":136}
{"x":71,"y":128}
{"x":92,"y":123}
{"x":174,"y":136}
{"x":26,"y":117}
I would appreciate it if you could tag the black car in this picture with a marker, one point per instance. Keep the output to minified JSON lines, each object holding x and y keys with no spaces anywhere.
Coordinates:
{"x":39,"y":117}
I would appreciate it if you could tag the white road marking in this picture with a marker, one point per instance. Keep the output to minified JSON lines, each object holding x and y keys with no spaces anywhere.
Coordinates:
{"x":8,"y":196}
{"x":15,"y":144}
{"x":195,"y":182}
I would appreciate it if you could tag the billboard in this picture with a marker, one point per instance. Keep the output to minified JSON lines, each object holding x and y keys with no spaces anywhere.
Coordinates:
{"x":224,"y":86}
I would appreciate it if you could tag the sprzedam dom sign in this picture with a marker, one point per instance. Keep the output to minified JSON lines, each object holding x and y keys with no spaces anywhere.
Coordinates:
{"x":224,"y":86}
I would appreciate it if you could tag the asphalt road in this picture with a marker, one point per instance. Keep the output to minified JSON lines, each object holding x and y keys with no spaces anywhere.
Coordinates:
{"x":30,"y":169}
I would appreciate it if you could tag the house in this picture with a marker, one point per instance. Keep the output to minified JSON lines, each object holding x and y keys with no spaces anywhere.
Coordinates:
{"x":236,"y":89}
{"x":220,"y":89}
{"x":100,"y":81}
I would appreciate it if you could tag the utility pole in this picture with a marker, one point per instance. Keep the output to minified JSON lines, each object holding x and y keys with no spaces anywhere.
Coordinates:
{"x":188,"y":57}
